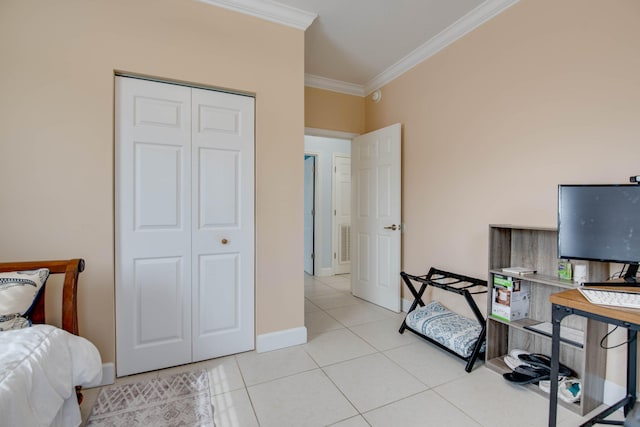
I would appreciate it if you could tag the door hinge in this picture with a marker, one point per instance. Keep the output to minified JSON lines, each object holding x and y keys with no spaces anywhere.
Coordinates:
{"x":334,"y":255}
{"x":334,"y":212}
{"x":313,"y":256}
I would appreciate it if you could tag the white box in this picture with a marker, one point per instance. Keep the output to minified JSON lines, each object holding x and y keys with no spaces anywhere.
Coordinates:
{"x":510,"y":298}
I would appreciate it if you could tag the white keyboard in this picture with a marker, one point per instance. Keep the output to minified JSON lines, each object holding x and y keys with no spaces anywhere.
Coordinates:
{"x":628,"y":299}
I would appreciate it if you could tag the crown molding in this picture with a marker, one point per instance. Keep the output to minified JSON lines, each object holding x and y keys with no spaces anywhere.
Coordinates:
{"x":300,"y":19}
{"x":472,"y":20}
{"x":268,"y":10}
{"x":327,"y":133}
{"x":333,"y":85}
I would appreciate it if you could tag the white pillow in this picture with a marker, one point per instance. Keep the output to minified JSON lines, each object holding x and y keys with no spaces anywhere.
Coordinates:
{"x":13,"y":321}
{"x":18,"y":290}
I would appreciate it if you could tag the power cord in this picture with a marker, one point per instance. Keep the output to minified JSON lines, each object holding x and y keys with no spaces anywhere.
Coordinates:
{"x":620,"y":274}
{"x":616,"y":275}
{"x":613,"y":346}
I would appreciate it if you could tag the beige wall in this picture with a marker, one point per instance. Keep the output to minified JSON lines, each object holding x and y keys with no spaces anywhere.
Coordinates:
{"x":324,"y":109}
{"x":545,"y":93}
{"x":56,"y":133}
{"x":548,"y":92}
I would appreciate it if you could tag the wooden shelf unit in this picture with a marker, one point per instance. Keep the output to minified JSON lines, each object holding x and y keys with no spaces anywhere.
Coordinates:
{"x":536,"y":247}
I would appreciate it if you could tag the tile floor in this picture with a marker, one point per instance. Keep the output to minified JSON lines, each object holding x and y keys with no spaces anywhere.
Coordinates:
{"x":357,"y":370}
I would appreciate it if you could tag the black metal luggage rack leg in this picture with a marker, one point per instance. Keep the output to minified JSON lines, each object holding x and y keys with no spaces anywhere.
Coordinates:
{"x":450,"y":282}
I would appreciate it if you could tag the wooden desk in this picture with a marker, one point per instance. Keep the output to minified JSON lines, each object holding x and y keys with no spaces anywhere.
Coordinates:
{"x":572,"y":302}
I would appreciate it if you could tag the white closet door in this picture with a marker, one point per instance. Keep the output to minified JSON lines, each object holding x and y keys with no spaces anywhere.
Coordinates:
{"x":222,"y":223}
{"x":153,"y":225}
{"x":184,"y":224}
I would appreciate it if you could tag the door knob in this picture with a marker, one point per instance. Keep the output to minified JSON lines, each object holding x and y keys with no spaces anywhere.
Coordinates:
{"x":391,"y":227}
{"x":224,"y":241}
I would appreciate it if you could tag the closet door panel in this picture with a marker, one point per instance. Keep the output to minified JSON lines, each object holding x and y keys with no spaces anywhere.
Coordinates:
{"x":157,"y":186}
{"x":218,"y":302}
{"x":219,"y":182}
{"x":222,"y":221}
{"x":153,"y":225}
{"x":158,"y":321}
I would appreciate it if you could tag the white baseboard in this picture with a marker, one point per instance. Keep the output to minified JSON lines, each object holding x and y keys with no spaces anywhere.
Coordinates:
{"x":324,"y":272}
{"x":108,"y":375}
{"x":281,"y":339}
{"x":613,"y":393}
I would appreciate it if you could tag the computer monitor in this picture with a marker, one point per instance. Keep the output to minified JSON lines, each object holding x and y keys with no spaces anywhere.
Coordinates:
{"x":600,"y":223}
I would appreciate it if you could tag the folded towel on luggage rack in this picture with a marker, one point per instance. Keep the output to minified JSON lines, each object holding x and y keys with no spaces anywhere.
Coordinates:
{"x":454,"y":331}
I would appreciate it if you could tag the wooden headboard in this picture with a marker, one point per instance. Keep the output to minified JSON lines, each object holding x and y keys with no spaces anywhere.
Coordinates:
{"x":71,"y":269}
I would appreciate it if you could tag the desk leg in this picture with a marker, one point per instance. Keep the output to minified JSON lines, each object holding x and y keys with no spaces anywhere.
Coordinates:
{"x":632,"y":358}
{"x":629,"y":400}
{"x":557,"y":314}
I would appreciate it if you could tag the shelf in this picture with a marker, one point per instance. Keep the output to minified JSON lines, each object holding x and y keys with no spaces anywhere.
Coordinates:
{"x":525,"y":324}
{"x":497,"y":365}
{"x":540,"y":278}
{"x":569,"y":336}
{"x":518,"y":324}
{"x":522,"y":227}
{"x":537,"y":247}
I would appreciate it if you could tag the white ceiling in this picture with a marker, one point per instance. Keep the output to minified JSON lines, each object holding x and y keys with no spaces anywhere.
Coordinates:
{"x":356,"y":46}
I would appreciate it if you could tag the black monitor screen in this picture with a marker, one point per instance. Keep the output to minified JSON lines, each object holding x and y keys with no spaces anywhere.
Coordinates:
{"x":599,"y":222}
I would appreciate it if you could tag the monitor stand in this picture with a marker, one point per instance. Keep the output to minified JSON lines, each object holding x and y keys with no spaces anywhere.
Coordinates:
{"x":629,"y":279}
{"x":630,"y":275}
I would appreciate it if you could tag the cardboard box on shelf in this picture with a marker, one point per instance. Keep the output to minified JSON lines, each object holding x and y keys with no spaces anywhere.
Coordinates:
{"x":510,"y":298}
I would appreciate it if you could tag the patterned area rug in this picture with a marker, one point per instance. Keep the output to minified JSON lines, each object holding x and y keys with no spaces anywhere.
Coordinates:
{"x":177,"y":400}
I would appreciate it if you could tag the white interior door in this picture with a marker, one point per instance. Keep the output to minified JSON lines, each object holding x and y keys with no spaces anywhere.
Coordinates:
{"x":342,"y":214}
{"x":222,"y":223}
{"x":376,"y":215}
{"x":309,"y":212}
{"x":153,"y":225}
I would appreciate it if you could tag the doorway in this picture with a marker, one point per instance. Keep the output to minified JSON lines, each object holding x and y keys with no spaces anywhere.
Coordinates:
{"x":324,"y":150}
{"x":375,"y":234}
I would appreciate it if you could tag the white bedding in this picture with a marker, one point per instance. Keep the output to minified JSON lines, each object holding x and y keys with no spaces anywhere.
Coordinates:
{"x":39,"y":369}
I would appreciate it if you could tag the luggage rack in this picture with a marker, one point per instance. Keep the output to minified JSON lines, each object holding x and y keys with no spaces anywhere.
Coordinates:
{"x":458,"y":284}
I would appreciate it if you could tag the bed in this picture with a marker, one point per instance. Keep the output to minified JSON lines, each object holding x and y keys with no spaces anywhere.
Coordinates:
{"x":43,"y":367}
